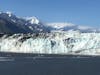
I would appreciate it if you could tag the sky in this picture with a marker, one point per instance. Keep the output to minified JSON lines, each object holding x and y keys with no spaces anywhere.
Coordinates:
{"x":79,"y":12}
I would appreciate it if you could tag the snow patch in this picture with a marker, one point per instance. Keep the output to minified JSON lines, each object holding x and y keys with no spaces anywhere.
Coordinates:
{"x":32,"y":20}
{"x":60,"y":25}
{"x":9,"y":13}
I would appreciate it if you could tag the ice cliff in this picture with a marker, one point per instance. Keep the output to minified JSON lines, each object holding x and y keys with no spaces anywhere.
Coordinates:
{"x":52,"y":43}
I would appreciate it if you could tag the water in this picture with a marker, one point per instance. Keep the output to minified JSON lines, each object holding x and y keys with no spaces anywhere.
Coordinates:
{"x":50,"y":66}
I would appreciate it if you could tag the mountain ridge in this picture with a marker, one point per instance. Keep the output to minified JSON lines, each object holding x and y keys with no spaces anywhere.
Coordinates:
{"x":10,"y":23}
{"x":16,"y":24}
{"x":64,"y":26}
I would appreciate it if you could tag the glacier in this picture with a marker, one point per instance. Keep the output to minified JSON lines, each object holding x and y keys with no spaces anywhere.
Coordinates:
{"x":52,"y":43}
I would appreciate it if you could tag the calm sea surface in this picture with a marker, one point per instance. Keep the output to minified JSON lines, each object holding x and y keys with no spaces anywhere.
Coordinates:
{"x":50,"y":66}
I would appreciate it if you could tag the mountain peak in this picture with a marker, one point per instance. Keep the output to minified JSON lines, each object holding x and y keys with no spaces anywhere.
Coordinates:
{"x":32,"y":20}
{"x":6,"y":14}
{"x":9,"y":13}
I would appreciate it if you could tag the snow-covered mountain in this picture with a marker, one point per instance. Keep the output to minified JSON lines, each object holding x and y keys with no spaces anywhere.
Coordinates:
{"x":71,"y":27}
{"x":9,"y":23}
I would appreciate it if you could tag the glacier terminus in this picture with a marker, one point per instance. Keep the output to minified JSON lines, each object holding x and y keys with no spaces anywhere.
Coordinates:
{"x":72,"y":42}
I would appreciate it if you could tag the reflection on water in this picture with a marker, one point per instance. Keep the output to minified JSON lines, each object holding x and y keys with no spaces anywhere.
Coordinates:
{"x":50,"y":66}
